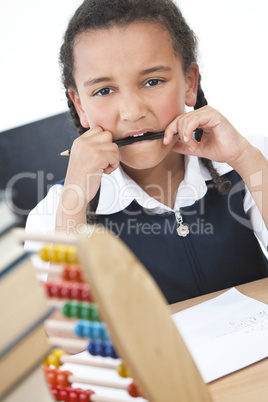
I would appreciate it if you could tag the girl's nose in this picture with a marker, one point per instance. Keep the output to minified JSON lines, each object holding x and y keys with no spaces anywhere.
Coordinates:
{"x":132,"y":108}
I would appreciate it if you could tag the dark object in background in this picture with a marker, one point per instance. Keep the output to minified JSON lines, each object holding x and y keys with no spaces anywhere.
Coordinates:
{"x":29,"y":159}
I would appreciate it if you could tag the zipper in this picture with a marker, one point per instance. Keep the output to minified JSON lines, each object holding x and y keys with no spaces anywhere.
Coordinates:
{"x":183,"y":230}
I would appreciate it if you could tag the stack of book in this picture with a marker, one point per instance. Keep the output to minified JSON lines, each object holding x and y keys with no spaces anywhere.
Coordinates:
{"x":23,"y":309}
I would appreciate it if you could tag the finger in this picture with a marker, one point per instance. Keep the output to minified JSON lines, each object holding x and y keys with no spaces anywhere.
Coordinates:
{"x":112,"y":162}
{"x":91,"y":131}
{"x":170,"y":131}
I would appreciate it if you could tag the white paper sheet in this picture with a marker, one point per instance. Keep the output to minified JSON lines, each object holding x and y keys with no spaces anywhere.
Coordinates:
{"x":225,"y":334}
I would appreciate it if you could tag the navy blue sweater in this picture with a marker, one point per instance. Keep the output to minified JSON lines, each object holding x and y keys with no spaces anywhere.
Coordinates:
{"x":219,"y":252}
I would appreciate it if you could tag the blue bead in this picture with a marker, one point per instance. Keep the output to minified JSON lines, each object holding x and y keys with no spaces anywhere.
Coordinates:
{"x":79,"y":329}
{"x":92,"y":348}
{"x":110,"y":351}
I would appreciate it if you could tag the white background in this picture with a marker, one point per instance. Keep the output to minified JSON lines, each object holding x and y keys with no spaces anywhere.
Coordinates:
{"x":233,"y":58}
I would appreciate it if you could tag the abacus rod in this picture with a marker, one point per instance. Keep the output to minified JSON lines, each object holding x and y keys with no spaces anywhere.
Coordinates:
{"x":95,"y":363}
{"x":78,"y":344}
{"x":93,"y":381}
{"x":65,"y":326}
{"x":57,"y":237}
{"x":56,"y":303}
{"x":52,"y":269}
{"x":99,"y":398}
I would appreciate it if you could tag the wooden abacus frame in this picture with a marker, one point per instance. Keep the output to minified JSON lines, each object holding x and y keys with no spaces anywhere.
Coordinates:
{"x":136,"y":314}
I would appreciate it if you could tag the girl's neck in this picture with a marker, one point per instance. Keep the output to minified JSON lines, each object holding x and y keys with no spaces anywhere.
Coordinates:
{"x":162,"y":181}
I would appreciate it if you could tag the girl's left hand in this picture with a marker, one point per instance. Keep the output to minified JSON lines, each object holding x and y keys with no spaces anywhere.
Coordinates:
{"x":220,"y":142}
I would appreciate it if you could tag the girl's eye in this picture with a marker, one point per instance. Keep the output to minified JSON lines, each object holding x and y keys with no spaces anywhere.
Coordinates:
{"x":153,"y":82}
{"x":103,"y":92}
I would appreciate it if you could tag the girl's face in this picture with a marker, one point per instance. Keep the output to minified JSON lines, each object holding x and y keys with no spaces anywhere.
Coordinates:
{"x":129,"y":80}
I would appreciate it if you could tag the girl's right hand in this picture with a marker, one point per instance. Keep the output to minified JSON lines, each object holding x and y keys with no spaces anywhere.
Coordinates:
{"x":92,"y":154}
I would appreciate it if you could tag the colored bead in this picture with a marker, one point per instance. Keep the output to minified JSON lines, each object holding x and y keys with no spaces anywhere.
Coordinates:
{"x":75,"y":309}
{"x":59,"y":253}
{"x":66,"y":310}
{"x":122,"y":370}
{"x":110,"y":351}
{"x":52,"y":289}
{"x":55,"y":393}
{"x":83,"y":310}
{"x":86,"y":295}
{"x":85,"y":395}
{"x":71,"y":255}
{"x":94,"y":313}
{"x":91,"y":329}
{"x":64,"y":395}
{"x":104,"y":349}
{"x":62,"y":378}
{"x":50,"y":375}
{"x":73,"y":396}
{"x":75,"y":274}
{"x":66,"y":273}
{"x":54,"y":358}
{"x":133,"y":390}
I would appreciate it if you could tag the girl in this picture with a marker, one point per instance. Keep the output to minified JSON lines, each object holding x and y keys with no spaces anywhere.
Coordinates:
{"x":129,"y":68}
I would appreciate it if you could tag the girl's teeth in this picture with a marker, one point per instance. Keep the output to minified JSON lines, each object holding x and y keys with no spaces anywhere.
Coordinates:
{"x":138,"y":135}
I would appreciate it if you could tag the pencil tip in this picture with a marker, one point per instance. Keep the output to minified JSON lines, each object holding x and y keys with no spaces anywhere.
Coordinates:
{"x":65,"y":153}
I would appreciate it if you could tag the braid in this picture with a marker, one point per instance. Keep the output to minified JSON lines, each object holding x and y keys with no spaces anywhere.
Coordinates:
{"x":220,"y":184}
{"x":92,"y":217}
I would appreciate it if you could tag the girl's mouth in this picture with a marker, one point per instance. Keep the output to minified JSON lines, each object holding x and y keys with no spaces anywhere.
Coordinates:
{"x":140,"y":137}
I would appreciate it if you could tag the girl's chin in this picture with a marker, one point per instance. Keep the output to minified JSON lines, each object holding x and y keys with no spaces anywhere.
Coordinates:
{"x":144,"y":162}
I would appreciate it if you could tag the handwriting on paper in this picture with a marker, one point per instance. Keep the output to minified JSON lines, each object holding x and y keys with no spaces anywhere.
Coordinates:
{"x":225,"y":334}
{"x":254,"y":323}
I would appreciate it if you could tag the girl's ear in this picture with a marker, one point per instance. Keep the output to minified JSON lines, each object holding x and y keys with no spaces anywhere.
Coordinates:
{"x":191,"y":78}
{"x":78,"y":106}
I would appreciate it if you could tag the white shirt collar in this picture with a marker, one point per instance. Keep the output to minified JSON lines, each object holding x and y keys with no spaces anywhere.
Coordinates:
{"x":118,"y":190}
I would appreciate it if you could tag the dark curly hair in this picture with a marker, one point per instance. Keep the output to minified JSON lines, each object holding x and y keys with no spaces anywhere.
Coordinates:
{"x":98,"y":14}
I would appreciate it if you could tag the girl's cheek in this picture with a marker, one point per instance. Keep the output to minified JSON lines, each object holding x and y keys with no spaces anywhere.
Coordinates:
{"x":169,"y":109}
{"x":100,"y":117}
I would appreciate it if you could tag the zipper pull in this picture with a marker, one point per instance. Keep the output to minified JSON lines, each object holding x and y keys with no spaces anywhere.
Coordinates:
{"x":183,"y":228}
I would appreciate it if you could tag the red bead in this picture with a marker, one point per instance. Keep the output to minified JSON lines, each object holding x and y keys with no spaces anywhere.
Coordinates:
{"x":75,"y":292}
{"x":54,"y":390}
{"x":74,"y":275}
{"x":66,"y":273}
{"x":65,"y":291}
{"x":51,"y":376}
{"x":85,"y":293}
{"x":133,"y":390}
{"x":64,"y":395}
{"x":62,"y":378}
{"x":74,"y":396}
{"x":53,"y":289}
{"x":85,"y":395}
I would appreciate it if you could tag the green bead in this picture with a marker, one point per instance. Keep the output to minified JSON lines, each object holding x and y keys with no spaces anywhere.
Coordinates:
{"x":75,"y":309}
{"x":66,"y":310}
{"x":94,"y":314}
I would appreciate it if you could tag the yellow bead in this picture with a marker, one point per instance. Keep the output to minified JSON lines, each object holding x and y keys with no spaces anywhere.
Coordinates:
{"x":54,"y":358}
{"x":71,"y":255}
{"x":59,"y":253}
{"x":122,"y":370}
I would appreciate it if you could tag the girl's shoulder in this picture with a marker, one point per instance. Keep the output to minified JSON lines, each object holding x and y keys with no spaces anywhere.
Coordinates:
{"x":42,"y":218}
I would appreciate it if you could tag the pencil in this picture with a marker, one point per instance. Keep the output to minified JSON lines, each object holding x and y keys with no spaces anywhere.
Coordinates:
{"x":130,"y":140}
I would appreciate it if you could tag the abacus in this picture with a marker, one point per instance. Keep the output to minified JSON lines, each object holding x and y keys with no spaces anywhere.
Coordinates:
{"x":131,"y":323}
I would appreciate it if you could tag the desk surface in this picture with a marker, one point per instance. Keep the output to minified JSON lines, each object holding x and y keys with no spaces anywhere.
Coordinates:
{"x":251,"y":383}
